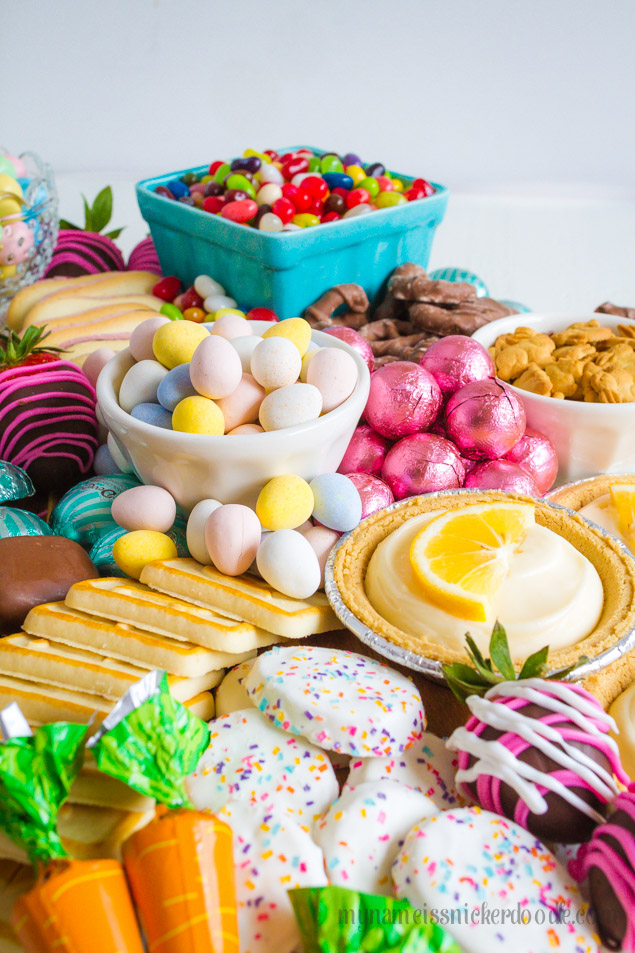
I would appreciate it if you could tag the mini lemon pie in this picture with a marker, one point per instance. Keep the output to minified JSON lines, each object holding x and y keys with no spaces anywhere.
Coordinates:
{"x":607,"y":500}
{"x":426,"y":571}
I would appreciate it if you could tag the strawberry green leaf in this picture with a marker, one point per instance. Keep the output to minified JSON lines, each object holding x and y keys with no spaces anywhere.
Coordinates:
{"x":116,"y":232}
{"x":499,"y":652}
{"x":64,"y":223}
{"x":101,"y":210}
{"x":88,"y":216}
{"x":536,"y":665}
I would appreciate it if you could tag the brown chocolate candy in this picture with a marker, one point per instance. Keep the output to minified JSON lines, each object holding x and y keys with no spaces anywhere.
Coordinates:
{"x":37,"y":569}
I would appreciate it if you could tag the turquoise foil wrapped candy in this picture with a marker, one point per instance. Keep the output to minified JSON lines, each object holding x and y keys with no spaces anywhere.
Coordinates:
{"x":83,"y":513}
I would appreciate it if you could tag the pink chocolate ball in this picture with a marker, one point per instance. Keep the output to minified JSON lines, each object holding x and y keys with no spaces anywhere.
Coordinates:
{"x":356,"y":341}
{"x":375,"y":494}
{"x":403,"y":399}
{"x":365,"y":453}
{"x":501,"y":475}
{"x":485,"y":419}
{"x":456,"y":361}
{"x":423,"y":463}
{"x":536,"y":454}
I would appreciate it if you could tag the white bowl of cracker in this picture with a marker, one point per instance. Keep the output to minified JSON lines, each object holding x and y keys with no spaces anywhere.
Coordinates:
{"x":575,"y":374}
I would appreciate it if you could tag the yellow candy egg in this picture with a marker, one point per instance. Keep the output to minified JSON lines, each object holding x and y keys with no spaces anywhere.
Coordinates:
{"x":306,"y":360}
{"x":285,"y":503}
{"x":356,"y":173}
{"x":174,"y":343}
{"x":135,"y":550}
{"x":198,"y":415}
{"x":296,"y":330}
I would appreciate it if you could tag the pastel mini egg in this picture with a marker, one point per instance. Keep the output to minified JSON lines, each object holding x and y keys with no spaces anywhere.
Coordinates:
{"x":198,"y":415}
{"x":245,"y":346}
{"x":175,"y":342}
{"x":144,"y":507}
{"x":306,"y":360}
{"x":216,"y":369}
{"x":287,"y":561}
{"x":229,"y":324}
{"x":290,"y":406}
{"x":133,"y":551}
{"x":285,"y":502}
{"x":334,"y":372}
{"x":95,"y":363}
{"x":143,"y":335}
{"x":243,"y":404}
{"x":140,"y":385}
{"x":196,"y":530}
{"x":153,"y":414}
{"x":232,"y":538}
{"x":296,"y":330}
{"x":276,"y":362}
{"x":322,"y":541}
{"x":244,"y":430}
{"x":175,"y":387}
{"x":338,"y":504}
{"x":104,"y":463}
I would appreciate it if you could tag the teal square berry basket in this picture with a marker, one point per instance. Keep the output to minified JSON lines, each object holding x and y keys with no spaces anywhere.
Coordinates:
{"x":287,"y":271}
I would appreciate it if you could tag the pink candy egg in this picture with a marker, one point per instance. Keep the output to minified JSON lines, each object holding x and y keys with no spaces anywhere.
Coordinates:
{"x":142,"y":337}
{"x":243,"y":404}
{"x":422,"y":463}
{"x":144,"y":507}
{"x":216,"y":369}
{"x":501,"y":475}
{"x":322,"y":541}
{"x":245,"y":429}
{"x":536,"y":454}
{"x":232,"y":538}
{"x":334,"y":373}
{"x":457,"y":360}
{"x":403,"y":399}
{"x":485,"y":419}
{"x":95,"y":363}
{"x":230,"y":326}
{"x":365,"y":453}
{"x":354,"y":338}
{"x":374,"y":493}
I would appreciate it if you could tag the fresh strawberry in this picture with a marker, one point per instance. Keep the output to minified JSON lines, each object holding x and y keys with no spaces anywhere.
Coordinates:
{"x":16,"y":351}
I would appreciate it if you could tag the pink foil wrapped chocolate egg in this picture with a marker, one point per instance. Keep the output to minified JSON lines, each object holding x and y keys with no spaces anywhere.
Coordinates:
{"x":457,"y":360}
{"x":355,"y":340}
{"x":536,"y":454}
{"x":422,"y":463}
{"x":485,"y":419}
{"x":374,"y":493}
{"x":365,"y":453}
{"x":501,"y":475}
{"x":403,"y":399}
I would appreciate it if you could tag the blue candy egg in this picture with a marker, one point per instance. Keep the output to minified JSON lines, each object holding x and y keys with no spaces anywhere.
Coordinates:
{"x":338,"y":180}
{"x":104,"y":462}
{"x":338,"y":505}
{"x":461,"y":274}
{"x":175,"y":387}
{"x":178,"y":188}
{"x":153,"y":414}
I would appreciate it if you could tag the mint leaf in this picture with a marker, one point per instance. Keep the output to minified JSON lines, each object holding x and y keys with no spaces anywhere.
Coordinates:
{"x":101,"y":210}
{"x":536,"y":665}
{"x":499,"y":651}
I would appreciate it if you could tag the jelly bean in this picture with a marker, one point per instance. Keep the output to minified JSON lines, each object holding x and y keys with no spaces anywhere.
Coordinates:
{"x":250,"y":163}
{"x":178,"y":188}
{"x":351,"y":158}
{"x":290,"y":191}
{"x":162,"y":190}
{"x":330,"y":217}
{"x":356,"y":173}
{"x":235,"y":195}
{"x":414,"y":194}
{"x":262,"y":210}
{"x":370,"y":185}
{"x":207,"y":178}
{"x":189,"y":178}
{"x":191,"y":299}
{"x":284,"y":209}
{"x":294,"y":165}
{"x":340,"y":180}
{"x":240,"y":182}
{"x":306,"y":219}
{"x":262,"y":314}
{"x":263,"y":156}
{"x":240,"y":211}
{"x":423,"y":184}
{"x":172,"y":312}
{"x":385,"y":184}
{"x":270,"y":223}
{"x":358,"y":196}
{"x":167,"y":288}
{"x":214,"y":203}
{"x":335,"y":203}
{"x":343,"y":193}
{"x":316,"y":187}
{"x":357,"y":210}
{"x":206,"y":286}
{"x":213,"y":188}
{"x":268,"y":194}
{"x":376,"y":169}
{"x":197,"y":315}
{"x":302,"y":200}
{"x":273,"y":155}
{"x":215,"y":302}
{"x":198,"y":415}
{"x":389,"y":199}
{"x":269,"y":173}
{"x":314,"y":164}
{"x":178,"y":301}
{"x":215,"y":166}
{"x":397,"y":185}
{"x":186,"y":200}
{"x":223,"y":170}
{"x":197,"y":188}
{"x":198,"y":198}
{"x":330,"y":162}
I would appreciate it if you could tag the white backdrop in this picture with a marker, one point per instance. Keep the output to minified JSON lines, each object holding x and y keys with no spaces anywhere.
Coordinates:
{"x":523,"y":107}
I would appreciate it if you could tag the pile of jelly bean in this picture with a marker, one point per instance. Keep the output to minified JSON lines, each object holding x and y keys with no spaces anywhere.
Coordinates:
{"x":202,"y":301}
{"x":220,"y":378}
{"x":276,"y":193}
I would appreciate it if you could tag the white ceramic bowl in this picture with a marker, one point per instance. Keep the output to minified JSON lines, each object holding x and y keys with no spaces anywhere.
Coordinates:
{"x":230,"y":469}
{"x":589,"y":438}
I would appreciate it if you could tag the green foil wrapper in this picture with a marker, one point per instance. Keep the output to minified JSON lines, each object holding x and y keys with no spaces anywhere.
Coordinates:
{"x":337,"y":920}
{"x":15,"y":484}
{"x":151,"y":742}
{"x":36,"y":774}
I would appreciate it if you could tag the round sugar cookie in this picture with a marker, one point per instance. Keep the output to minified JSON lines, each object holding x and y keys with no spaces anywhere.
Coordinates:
{"x":272,"y":854}
{"x":231,"y":695}
{"x":249,"y":759}
{"x":428,"y":766}
{"x":341,"y":701}
{"x":497,"y":887}
{"x":363,"y":831}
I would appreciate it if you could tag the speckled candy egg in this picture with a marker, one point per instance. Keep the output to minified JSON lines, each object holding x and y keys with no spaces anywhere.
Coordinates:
{"x":140,"y":385}
{"x":153,"y":414}
{"x":290,"y":406}
{"x":232,"y":538}
{"x":403,"y":399}
{"x":485,"y":419}
{"x":457,"y":360}
{"x":231,"y":325}
{"x":287,"y":561}
{"x":245,"y":346}
{"x":296,"y":330}
{"x":196,"y":530}
{"x":175,"y":342}
{"x":244,"y":430}
{"x":276,"y":362}
{"x":198,"y":415}
{"x":322,"y":541}
{"x":95,"y":363}
{"x":355,"y":340}
{"x":366,"y":452}
{"x":133,"y":551}
{"x":374,"y":493}
{"x":175,"y":387}
{"x":144,"y":507}
{"x":334,"y":373}
{"x":143,"y":335}
{"x":285,"y":502}
{"x":215,"y":369}
{"x":337,"y":502}
{"x":243,"y":404}
{"x":422,"y":463}
{"x":501,"y":475}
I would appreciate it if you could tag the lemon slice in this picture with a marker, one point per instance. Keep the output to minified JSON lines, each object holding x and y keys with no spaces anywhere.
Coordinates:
{"x":461,"y":557}
{"x":623,"y":500}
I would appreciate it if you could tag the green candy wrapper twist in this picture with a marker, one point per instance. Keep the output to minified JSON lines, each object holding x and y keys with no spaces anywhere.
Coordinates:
{"x":337,"y":920}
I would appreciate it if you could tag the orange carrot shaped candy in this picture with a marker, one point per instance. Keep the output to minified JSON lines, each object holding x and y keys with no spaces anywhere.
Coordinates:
{"x":75,"y":906}
{"x":180,"y":867}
